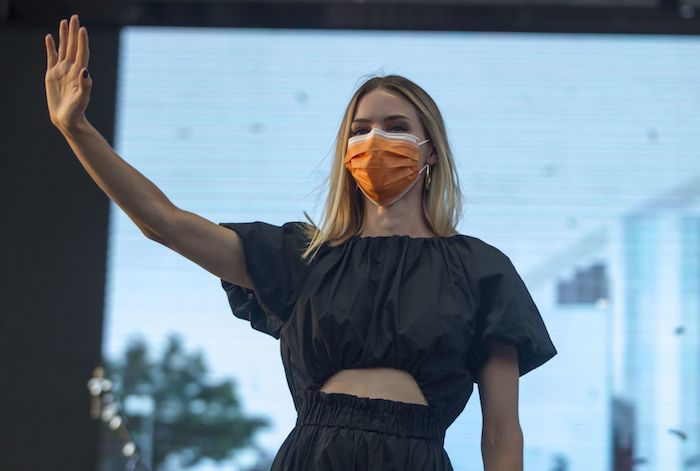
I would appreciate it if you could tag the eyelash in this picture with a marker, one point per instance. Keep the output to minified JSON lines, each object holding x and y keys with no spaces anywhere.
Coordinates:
{"x":353,"y":133}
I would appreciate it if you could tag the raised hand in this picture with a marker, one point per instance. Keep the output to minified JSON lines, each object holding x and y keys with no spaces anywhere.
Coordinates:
{"x":68,"y":82}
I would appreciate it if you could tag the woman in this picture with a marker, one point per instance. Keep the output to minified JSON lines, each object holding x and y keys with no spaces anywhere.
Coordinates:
{"x":386,"y":315}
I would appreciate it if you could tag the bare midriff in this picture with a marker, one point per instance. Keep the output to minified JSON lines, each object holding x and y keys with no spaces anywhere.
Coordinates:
{"x":379,"y":383}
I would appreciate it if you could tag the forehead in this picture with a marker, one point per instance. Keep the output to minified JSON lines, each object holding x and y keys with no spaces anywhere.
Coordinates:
{"x":379,"y":103}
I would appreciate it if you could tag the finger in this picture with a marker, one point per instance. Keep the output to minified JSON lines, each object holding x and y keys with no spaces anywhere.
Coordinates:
{"x":83,"y":48}
{"x":85,"y":79}
{"x":62,"y":38}
{"x":72,"y":38}
{"x":51,"y":55}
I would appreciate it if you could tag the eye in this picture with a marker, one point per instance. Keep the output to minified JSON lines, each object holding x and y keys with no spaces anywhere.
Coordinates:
{"x":400,"y":126}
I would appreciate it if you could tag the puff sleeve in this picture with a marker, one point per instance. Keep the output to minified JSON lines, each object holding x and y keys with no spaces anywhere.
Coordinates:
{"x":274,"y":263}
{"x":507,"y":312}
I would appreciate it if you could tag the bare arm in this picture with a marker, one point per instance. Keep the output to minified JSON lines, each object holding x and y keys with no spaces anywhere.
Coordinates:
{"x":135,"y":194}
{"x":502,"y":436}
{"x":215,"y":248}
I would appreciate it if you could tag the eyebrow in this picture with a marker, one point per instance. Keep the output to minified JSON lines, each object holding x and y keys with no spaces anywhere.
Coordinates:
{"x":388,"y":118}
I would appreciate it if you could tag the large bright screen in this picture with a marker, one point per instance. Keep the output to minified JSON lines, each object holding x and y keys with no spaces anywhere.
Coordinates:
{"x":579,"y":156}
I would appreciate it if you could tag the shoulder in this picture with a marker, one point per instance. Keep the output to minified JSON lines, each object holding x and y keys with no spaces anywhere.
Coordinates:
{"x":486,"y":261}
{"x":297,"y":227}
{"x":480,"y":245}
{"x":482,"y":250}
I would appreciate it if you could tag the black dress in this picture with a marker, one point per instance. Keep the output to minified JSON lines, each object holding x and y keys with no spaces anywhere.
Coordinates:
{"x":423,"y":305}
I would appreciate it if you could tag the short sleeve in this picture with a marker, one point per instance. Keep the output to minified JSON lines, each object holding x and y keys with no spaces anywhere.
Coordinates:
{"x":507,"y":312}
{"x":274,"y":263}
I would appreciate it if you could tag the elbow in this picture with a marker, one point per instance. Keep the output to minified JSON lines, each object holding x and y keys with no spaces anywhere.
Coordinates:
{"x":158,"y":226}
{"x":502,"y":449}
{"x":148,"y":233}
{"x":152,"y":235}
{"x":498,"y":434}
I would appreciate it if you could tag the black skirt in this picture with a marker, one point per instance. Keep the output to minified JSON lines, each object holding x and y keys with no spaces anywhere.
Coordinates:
{"x":342,"y":432}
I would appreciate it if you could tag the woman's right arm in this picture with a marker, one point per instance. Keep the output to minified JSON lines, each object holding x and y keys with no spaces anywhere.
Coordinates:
{"x":215,"y":248}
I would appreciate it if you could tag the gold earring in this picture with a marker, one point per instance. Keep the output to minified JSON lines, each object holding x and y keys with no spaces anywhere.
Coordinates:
{"x":427,"y":178}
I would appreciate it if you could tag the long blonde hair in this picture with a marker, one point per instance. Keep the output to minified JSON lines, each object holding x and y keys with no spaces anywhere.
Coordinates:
{"x":344,"y":207}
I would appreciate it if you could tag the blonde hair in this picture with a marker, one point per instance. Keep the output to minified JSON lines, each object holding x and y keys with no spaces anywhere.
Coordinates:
{"x":343,"y":211}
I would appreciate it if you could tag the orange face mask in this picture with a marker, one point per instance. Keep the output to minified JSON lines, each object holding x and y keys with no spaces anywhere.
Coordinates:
{"x":384,"y":165}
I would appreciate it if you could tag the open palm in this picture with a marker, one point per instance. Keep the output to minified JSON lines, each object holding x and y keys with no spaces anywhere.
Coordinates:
{"x":67,"y":87}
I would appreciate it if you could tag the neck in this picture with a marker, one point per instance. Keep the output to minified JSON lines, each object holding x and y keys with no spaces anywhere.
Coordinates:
{"x":404,"y":217}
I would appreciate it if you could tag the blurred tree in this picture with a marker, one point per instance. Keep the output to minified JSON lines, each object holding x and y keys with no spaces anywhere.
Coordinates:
{"x":173,"y":412}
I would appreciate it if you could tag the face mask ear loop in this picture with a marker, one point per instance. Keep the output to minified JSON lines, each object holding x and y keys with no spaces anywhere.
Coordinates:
{"x":363,"y":192}
{"x":409,"y":187}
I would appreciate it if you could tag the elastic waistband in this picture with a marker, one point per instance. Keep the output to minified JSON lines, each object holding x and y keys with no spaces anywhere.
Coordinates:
{"x":375,"y":414}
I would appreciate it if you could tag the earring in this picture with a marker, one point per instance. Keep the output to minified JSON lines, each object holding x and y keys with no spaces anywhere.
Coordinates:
{"x":427,"y":178}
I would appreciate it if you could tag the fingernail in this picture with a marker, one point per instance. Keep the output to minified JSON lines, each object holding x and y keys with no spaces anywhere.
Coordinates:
{"x":85,"y":73}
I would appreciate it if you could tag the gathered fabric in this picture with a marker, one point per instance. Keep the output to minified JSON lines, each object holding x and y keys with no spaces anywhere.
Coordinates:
{"x":341,"y":432}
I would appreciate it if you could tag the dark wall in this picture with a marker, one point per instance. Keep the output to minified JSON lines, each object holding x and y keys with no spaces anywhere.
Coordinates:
{"x":53,"y":246}
{"x":583,"y":16}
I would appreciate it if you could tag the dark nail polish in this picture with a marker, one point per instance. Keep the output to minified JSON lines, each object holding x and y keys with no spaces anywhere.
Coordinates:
{"x":85,"y":73}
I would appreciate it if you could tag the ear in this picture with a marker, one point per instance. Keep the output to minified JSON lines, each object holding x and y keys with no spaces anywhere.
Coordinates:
{"x":432,"y":157}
